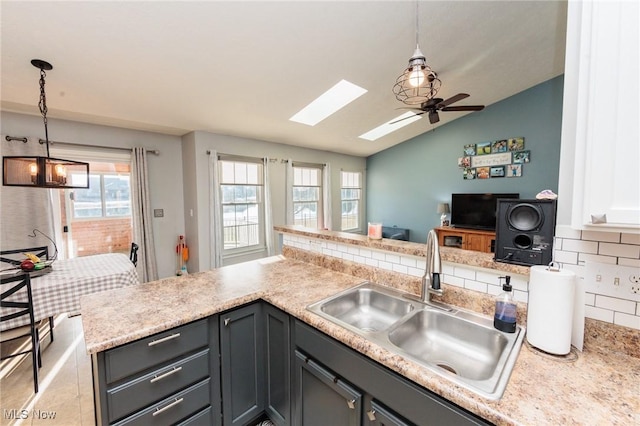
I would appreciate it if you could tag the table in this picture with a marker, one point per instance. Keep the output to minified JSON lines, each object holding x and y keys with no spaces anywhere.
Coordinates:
{"x":59,"y":291}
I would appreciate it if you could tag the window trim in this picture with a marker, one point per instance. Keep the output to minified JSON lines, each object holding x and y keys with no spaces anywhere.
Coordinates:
{"x":320,"y":208}
{"x":358,"y":226}
{"x":254,"y":248}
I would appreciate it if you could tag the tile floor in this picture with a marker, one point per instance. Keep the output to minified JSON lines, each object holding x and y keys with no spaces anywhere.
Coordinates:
{"x":65,"y":383}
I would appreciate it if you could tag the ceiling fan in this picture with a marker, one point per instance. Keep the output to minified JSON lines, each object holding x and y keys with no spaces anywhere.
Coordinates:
{"x":433,"y":105}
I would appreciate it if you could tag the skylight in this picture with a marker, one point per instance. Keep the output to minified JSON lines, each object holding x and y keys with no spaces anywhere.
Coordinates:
{"x":386,"y":128}
{"x":329,"y":102}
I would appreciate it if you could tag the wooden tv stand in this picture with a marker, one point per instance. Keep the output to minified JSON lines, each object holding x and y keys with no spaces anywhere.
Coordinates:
{"x":467,"y":239}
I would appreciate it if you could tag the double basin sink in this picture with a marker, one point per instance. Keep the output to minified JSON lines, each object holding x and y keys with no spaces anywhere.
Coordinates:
{"x":459,"y":345}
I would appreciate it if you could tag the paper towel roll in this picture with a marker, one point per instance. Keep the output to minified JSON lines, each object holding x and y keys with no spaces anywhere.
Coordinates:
{"x":550,"y":309}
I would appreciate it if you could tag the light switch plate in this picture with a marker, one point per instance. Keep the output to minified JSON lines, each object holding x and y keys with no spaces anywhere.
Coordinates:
{"x":158,"y":212}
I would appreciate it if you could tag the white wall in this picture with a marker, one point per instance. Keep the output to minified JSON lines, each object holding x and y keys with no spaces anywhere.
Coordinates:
{"x":195,"y":146}
{"x":165,"y":170}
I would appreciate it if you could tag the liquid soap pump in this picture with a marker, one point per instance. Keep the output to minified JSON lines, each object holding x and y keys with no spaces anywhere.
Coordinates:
{"x":505,"y":316}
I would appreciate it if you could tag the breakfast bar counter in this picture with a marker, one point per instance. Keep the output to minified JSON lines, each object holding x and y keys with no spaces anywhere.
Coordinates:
{"x":600,"y":387}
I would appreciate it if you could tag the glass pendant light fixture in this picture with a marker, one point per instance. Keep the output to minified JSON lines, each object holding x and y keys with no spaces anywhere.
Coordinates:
{"x":44,"y":172}
{"x":418,"y":83}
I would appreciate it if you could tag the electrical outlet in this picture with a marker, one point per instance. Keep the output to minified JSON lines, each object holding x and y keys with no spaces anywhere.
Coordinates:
{"x":622,"y":282}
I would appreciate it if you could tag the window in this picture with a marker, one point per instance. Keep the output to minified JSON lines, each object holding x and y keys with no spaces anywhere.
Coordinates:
{"x":350,"y":195}
{"x":241,"y":186}
{"x":108,"y":195}
{"x":307,"y":195}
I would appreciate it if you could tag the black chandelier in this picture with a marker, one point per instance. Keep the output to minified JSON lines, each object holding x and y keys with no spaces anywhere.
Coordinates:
{"x":43,"y":172}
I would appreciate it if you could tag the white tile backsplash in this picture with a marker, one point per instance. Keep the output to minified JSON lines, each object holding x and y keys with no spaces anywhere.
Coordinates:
{"x":573,"y":249}
{"x":613,"y":248}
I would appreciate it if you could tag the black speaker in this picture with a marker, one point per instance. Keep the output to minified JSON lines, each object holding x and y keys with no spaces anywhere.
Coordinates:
{"x":524,"y":231}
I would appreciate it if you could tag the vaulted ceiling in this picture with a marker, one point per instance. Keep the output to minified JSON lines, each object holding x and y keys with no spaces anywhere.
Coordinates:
{"x":244,"y":68}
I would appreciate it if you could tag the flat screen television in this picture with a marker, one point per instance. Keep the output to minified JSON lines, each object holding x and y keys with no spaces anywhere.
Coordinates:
{"x":476,"y":211}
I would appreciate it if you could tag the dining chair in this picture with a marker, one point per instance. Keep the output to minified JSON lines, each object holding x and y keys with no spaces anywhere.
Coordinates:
{"x":133,"y":255}
{"x":17,"y":301}
{"x":16,"y":256}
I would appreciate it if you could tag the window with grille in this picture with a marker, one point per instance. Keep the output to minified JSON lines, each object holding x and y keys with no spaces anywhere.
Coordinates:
{"x":108,"y":195}
{"x":350,"y":195}
{"x":307,"y":195}
{"x":242,"y":187}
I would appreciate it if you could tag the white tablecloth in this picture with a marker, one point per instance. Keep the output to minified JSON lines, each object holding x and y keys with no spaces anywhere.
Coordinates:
{"x":59,"y":291}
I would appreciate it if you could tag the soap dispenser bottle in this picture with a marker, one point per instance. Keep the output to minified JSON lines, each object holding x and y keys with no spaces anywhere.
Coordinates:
{"x":505,"y":316}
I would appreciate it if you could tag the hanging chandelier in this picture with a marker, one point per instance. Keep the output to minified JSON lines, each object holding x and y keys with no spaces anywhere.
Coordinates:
{"x":44,"y":172}
{"x":418,"y":83}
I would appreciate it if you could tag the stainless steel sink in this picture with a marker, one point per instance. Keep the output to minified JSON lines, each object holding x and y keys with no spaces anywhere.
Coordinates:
{"x":366,"y":308}
{"x":459,"y":345}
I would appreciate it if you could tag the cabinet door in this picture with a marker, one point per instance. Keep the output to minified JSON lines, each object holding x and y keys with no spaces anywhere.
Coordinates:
{"x":377,"y":414}
{"x":322,"y":398}
{"x":242,"y":364}
{"x":277,"y":344}
{"x":477,"y":242}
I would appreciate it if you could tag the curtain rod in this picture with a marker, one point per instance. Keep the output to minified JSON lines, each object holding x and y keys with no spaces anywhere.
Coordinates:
{"x":42,"y":142}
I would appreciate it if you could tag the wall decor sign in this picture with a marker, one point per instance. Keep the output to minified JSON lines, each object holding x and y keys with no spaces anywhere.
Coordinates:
{"x":494,"y":159}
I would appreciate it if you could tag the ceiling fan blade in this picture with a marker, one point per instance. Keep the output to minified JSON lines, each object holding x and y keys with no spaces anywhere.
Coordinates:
{"x":419,"y":113}
{"x":454,"y":98}
{"x":464,"y":108}
{"x":433,"y":117}
{"x":411,"y":109}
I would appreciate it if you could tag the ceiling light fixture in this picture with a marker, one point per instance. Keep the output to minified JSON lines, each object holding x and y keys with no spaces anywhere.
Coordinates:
{"x":418,"y":83}
{"x":44,"y":172}
{"x":328,"y":103}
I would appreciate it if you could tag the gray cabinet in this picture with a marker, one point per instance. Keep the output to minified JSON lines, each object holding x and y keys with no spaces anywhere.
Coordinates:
{"x":323,"y":398}
{"x":278,"y":355}
{"x":162,"y":379}
{"x":242,"y":363}
{"x":413,"y":404}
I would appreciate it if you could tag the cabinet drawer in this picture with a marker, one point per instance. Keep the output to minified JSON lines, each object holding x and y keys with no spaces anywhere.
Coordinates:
{"x":144,"y":390}
{"x":203,"y":418}
{"x":174,"y":408}
{"x":143,"y":354}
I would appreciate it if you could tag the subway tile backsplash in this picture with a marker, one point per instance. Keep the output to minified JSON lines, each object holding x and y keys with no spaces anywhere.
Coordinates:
{"x":573,"y":249}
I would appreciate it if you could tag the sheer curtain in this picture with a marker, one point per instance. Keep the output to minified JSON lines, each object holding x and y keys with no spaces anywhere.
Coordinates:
{"x":326,"y":196}
{"x":289,"y":195}
{"x":215,"y":211}
{"x":24,"y":209}
{"x":268,"y":216}
{"x":142,"y":216}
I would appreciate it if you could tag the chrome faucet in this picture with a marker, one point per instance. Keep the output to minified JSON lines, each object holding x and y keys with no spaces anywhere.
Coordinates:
{"x":431,"y":277}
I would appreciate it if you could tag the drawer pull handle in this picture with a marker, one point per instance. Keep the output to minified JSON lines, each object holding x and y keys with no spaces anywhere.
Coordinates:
{"x":165,"y":374}
{"x":166,"y":407}
{"x":372,"y":415}
{"x":164,"y":339}
{"x":351,"y":403}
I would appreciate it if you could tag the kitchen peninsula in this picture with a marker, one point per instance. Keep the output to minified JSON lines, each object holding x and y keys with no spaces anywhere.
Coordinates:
{"x":600,"y":387}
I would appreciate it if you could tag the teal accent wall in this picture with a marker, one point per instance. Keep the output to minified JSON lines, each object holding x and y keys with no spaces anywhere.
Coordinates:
{"x":406,"y":182}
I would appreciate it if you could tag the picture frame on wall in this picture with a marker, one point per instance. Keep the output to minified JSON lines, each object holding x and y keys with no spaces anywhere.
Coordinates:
{"x":470,"y":149}
{"x":514,"y":170}
{"x":496,"y":171}
{"x":499,"y":146}
{"x":483,"y":148}
{"x":469,"y":174}
{"x":515,"y":144}
{"x":483,"y":172}
{"x":464,"y":162}
{"x":521,"y":157}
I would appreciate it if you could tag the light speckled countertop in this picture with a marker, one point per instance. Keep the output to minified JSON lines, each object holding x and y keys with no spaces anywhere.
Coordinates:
{"x":601,"y":387}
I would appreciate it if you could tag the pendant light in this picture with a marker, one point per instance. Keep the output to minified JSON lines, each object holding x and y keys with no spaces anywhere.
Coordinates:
{"x":44,"y":172}
{"x":418,"y":83}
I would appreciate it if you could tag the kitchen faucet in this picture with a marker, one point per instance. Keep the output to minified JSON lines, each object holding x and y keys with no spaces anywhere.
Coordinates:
{"x":431,"y":277}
